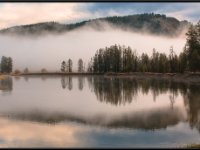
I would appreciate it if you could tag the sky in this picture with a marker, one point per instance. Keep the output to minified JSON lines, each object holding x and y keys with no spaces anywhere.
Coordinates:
{"x":12,"y":14}
{"x":51,"y":50}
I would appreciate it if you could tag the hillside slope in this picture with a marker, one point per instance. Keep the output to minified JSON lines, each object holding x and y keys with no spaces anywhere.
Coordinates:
{"x":151,"y":23}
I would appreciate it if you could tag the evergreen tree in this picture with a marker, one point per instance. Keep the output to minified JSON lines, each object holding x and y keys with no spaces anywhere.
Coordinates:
{"x":63,"y":66}
{"x":6,"y":64}
{"x":26,"y":70}
{"x":193,"y":47}
{"x":69,"y":65}
{"x":80,"y":65}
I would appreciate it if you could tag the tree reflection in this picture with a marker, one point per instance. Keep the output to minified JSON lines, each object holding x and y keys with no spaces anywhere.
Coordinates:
{"x":6,"y":84}
{"x":70,"y":84}
{"x":66,"y":81}
{"x":120,"y":91}
{"x":80,"y":82}
{"x":117,"y":91}
{"x":63,"y":82}
{"x":192,"y":103}
{"x":26,"y":78}
{"x":111,"y":90}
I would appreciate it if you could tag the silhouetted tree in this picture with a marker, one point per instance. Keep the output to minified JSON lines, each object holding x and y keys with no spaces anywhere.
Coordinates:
{"x":193,"y":47}
{"x":80,"y":65}
{"x":69,"y":65}
{"x":63,"y":66}
{"x":6,"y":64}
{"x":26,"y":70}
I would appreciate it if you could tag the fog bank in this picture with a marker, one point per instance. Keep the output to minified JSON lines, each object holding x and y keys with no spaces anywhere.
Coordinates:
{"x":50,"y":50}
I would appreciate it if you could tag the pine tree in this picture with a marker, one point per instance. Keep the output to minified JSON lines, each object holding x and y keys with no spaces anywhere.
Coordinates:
{"x":80,"y":65}
{"x":69,"y":65}
{"x":63,"y":66}
{"x":193,"y":47}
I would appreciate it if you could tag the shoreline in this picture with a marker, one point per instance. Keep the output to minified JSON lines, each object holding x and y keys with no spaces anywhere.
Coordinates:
{"x":3,"y":76}
{"x":188,"y":77}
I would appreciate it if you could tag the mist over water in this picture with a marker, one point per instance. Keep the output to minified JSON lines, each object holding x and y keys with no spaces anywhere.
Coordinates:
{"x":48,"y":51}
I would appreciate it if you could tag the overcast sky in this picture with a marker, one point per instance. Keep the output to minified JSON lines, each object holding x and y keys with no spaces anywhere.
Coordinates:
{"x":12,"y":14}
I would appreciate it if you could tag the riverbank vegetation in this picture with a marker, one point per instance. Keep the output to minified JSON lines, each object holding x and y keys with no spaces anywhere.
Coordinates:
{"x":6,"y":65}
{"x":118,"y":58}
{"x":121,"y":59}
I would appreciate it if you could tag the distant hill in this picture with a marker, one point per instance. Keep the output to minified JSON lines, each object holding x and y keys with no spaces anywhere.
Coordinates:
{"x":151,"y":23}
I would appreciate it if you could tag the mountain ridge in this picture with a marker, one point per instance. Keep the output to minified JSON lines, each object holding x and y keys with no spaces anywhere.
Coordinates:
{"x":157,"y":24}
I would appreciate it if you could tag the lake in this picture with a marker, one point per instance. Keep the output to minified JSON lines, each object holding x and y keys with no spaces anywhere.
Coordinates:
{"x":97,"y":111}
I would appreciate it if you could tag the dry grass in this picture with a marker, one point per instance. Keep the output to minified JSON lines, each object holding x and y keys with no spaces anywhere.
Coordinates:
{"x":196,"y":146}
{"x":2,"y":76}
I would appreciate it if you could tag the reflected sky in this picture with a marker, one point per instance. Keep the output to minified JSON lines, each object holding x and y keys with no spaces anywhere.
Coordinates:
{"x":15,"y":133}
{"x":73,"y":111}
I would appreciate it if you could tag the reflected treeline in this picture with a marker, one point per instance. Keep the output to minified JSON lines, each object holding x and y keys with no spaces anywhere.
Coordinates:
{"x":6,"y":84}
{"x":149,"y":120}
{"x":192,"y":103}
{"x":66,"y":81}
{"x":146,"y":120}
{"x":81,"y":82}
{"x":119,"y":91}
{"x":113,"y":90}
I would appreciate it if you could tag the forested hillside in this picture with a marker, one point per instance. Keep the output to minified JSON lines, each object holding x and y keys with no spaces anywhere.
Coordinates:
{"x":149,"y":23}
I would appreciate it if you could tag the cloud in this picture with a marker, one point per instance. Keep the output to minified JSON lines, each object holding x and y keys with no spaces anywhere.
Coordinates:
{"x":182,"y":11}
{"x":12,"y":14}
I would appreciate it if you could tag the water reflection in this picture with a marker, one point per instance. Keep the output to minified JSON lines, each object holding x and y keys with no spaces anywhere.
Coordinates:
{"x":119,"y":91}
{"x":192,"y":102}
{"x":159,"y":118}
{"x":105,"y":104}
{"x":26,"y":78}
{"x":81,"y":81}
{"x":6,"y":84}
{"x":26,"y":134}
{"x":17,"y":78}
{"x":66,"y":81}
{"x":15,"y":133}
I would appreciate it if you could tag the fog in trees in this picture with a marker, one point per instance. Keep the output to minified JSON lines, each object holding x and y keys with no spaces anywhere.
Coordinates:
{"x":51,"y":50}
{"x":80,"y":65}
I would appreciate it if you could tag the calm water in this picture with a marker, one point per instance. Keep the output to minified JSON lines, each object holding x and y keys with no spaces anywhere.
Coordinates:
{"x":73,"y":111}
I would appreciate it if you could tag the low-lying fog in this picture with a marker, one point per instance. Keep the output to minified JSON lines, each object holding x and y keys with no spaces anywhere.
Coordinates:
{"x":49,"y":51}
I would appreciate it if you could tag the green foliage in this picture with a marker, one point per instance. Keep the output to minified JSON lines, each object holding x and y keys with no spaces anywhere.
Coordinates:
{"x":193,"y":47}
{"x":6,"y":64}
{"x":151,"y":23}
{"x":123,"y":59}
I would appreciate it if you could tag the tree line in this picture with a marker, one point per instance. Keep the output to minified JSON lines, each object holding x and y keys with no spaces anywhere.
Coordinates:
{"x":118,"y":58}
{"x":6,"y":65}
{"x":67,"y":66}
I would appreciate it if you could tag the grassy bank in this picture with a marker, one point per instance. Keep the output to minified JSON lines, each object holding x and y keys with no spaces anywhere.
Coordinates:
{"x":2,"y":76}
{"x":196,"y":146}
